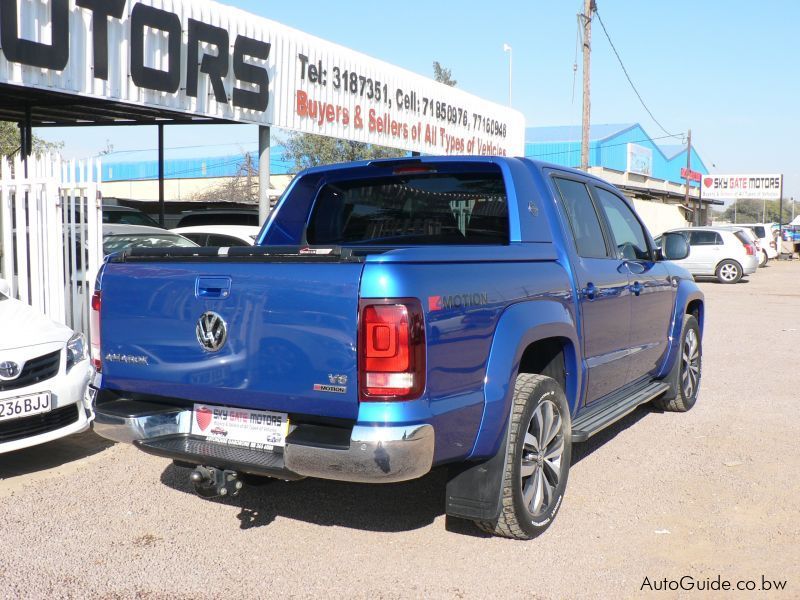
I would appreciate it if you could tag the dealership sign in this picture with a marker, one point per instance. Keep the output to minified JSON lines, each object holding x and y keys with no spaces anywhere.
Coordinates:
{"x":206,"y":59}
{"x":753,"y":187}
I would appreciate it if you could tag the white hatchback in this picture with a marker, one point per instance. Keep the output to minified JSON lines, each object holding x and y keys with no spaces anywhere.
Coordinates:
{"x":44,"y":375}
{"x":727,"y":254}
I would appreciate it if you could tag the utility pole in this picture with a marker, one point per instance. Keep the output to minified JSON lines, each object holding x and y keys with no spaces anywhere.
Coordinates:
{"x":688,"y":179}
{"x":588,"y":14}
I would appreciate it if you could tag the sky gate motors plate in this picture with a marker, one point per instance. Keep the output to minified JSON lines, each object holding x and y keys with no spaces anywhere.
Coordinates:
{"x":254,"y":429}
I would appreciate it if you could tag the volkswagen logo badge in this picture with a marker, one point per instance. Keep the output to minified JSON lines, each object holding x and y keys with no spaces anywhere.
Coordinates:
{"x":9,"y":370}
{"x":211,"y":332}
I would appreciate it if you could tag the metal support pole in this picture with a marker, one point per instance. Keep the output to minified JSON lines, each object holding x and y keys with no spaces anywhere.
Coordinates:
{"x":689,"y":181}
{"x":161,"y":174}
{"x":263,"y":173}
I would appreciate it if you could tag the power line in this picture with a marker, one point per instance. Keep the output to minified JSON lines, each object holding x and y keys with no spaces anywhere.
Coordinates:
{"x":630,"y":81}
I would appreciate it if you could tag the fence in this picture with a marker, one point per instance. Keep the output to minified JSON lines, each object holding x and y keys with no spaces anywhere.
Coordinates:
{"x":51,"y":235}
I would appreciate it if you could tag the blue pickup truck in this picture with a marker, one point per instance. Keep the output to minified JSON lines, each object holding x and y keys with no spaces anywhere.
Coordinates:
{"x":481,"y":314}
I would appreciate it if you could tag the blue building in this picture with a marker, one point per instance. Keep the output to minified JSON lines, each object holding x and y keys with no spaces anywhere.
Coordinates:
{"x":626,"y":155}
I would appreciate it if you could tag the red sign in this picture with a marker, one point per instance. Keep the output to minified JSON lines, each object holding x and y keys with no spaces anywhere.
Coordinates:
{"x":691,"y":175}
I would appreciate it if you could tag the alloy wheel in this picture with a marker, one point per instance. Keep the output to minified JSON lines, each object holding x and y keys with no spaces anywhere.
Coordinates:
{"x":690,"y":364}
{"x":729,"y":272}
{"x":543,"y":448}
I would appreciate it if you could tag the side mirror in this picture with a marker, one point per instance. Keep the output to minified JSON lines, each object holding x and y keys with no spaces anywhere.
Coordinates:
{"x":674,"y":246}
{"x":5,"y":288}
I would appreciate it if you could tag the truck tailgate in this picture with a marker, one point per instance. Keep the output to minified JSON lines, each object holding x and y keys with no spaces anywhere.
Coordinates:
{"x":291,"y":333}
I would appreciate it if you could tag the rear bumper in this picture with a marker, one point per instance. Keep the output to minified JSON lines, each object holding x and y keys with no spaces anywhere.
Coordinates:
{"x":374,"y":454}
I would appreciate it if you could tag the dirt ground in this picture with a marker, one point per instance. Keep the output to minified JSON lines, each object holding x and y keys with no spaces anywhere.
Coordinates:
{"x":713,"y":493}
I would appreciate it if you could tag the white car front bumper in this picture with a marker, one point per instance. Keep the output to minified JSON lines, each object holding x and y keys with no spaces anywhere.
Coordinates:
{"x":71,"y":406}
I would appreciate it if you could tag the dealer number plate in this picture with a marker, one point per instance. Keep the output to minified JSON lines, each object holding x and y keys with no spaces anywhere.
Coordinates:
{"x":25,"y":406}
{"x":255,"y":429}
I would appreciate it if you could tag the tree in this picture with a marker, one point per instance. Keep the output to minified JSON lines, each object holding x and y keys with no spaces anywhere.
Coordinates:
{"x":752,"y":211}
{"x":9,"y":141}
{"x":242,"y":188}
{"x":443,"y":75}
{"x":306,"y":150}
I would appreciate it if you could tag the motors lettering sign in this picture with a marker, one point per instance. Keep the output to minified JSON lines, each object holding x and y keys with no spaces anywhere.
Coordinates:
{"x":752,"y":187}
{"x":205,"y":59}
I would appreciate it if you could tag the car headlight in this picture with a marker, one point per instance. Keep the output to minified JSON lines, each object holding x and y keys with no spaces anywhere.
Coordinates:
{"x":76,"y":350}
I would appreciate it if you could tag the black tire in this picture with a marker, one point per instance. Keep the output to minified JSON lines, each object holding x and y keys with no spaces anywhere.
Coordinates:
{"x":729,"y":271}
{"x":535,"y":397}
{"x":680,"y":398}
{"x":764,"y":259}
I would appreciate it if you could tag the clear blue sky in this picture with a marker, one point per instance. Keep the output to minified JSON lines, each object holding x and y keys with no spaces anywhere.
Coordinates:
{"x":728,"y":70}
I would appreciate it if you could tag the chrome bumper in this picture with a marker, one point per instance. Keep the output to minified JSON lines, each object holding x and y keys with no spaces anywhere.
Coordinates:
{"x":377,"y":454}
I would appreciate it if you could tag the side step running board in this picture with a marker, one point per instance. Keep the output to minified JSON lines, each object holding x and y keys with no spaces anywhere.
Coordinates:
{"x":595,"y":418}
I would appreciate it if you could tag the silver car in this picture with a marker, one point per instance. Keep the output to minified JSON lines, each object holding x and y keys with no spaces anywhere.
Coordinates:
{"x":725,"y":253}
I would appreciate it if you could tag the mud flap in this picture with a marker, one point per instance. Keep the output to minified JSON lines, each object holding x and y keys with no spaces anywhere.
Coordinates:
{"x":475,"y":489}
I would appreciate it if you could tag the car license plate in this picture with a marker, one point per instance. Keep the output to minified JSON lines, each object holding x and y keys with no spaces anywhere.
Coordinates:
{"x":25,"y":406}
{"x":255,"y":429}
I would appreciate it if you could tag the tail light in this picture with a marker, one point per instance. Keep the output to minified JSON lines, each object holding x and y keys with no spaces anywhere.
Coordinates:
{"x":750,"y":249}
{"x":391,"y":350}
{"x":94,"y":325}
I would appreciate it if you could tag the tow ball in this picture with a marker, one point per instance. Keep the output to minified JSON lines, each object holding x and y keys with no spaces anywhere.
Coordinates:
{"x":210,"y":482}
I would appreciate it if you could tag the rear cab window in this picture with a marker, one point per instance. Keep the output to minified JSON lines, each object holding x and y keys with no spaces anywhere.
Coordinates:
{"x":584,"y":221}
{"x":418,"y":208}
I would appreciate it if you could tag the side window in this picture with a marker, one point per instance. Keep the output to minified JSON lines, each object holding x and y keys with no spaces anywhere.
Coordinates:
{"x":200,"y":239}
{"x":225,"y":241}
{"x":628,"y":233}
{"x":583,"y":218}
{"x":705,"y":238}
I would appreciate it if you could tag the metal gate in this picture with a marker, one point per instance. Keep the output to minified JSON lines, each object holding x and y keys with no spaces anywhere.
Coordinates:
{"x":51,"y":235}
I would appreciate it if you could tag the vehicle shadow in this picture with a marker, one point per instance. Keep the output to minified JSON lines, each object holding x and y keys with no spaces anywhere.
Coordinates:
{"x":387,"y":507}
{"x":52,"y":454}
{"x":582,"y":450}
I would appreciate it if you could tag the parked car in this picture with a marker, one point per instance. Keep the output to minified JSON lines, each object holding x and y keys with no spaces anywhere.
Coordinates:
{"x":228,"y":236}
{"x":117,"y":238}
{"x":122,"y":215}
{"x":44,"y":374}
{"x":369,"y":350}
{"x":766,"y":244}
{"x":727,"y":254}
{"x":218,"y":216}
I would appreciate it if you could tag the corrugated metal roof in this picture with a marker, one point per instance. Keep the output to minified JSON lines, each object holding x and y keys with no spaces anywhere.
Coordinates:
{"x":193,"y":168}
{"x":572,"y":133}
{"x":671,"y":150}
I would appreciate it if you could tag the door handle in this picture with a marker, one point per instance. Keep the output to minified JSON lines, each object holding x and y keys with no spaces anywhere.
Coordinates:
{"x":636,"y":288}
{"x":213,"y":287}
{"x":589,"y":292}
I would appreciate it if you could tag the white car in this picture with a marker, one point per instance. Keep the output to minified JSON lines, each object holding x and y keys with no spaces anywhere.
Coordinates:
{"x":768,"y":237}
{"x":224,"y":236}
{"x":44,"y":374}
{"x":727,"y":254}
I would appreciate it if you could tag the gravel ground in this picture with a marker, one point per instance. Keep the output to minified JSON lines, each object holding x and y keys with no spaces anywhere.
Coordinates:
{"x":714,"y":492}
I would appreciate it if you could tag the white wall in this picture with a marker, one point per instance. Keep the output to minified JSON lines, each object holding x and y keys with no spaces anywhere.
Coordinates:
{"x":660,"y":217}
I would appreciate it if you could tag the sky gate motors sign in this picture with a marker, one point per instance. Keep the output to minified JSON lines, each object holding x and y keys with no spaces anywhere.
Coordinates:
{"x":206,"y":59}
{"x":751,"y":187}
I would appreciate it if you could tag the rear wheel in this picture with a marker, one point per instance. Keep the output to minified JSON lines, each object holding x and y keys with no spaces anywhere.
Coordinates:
{"x":763,"y":259}
{"x":684,"y":379}
{"x":729,"y":271}
{"x":539,"y":455}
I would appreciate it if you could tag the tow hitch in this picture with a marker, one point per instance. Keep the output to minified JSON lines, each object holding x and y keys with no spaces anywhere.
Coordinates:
{"x":210,"y":482}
